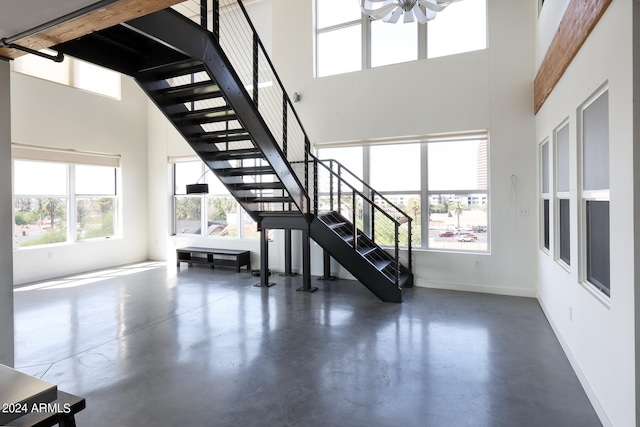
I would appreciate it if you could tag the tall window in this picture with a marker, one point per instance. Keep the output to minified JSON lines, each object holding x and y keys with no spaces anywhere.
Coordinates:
{"x":457,"y":195}
{"x":56,"y":202}
{"x":563,"y":206}
{"x":347,"y":40}
{"x":216,"y":214}
{"x":595,"y":191}
{"x":71,"y":72}
{"x":545,"y":178}
{"x":441,"y":185}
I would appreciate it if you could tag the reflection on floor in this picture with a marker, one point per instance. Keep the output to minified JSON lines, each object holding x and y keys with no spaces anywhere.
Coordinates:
{"x":148,"y":344}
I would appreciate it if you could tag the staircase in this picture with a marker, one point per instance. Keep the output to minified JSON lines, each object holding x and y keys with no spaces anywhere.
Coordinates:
{"x":218,"y":88}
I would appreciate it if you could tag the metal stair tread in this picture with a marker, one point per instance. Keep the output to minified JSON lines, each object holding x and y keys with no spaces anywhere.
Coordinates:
{"x":243,"y":153}
{"x":175,"y":69}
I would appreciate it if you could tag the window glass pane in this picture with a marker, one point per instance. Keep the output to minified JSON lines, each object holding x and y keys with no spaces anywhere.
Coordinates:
{"x":461,"y":27}
{"x":95,"y":217}
{"x":187,"y":173}
{"x":458,"y":222}
{"x":349,"y":158}
{"x":332,"y":12}
{"x":545,"y":223}
{"x":395,"y":167}
{"x":95,"y":180}
{"x":562,"y":158}
{"x":564,"y":230}
{"x":457,"y":165}
{"x":222,"y":216}
{"x":40,"y":221}
{"x":544,"y":169}
{"x":215,"y":186}
{"x":385,"y":228}
{"x":188,"y":214}
{"x":39,"y":178}
{"x":596,"y":144}
{"x":598,"y":262}
{"x":96,"y":79}
{"x":43,"y":68}
{"x":392,"y":44}
{"x":250,"y":227}
{"x":339,"y":51}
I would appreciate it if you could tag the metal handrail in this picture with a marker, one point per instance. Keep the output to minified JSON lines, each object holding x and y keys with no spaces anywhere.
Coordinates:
{"x":290,"y":123}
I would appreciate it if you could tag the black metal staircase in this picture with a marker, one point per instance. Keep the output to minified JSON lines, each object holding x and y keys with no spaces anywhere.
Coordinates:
{"x":251,"y":137}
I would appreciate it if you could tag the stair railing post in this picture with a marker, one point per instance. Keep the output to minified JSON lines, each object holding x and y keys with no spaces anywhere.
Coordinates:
{"x":284,"y":126}
{"x":315,"y":186}
{"x":373,"y":223}
{"x":256,"y":50}
{"x":203,"y":14}
{"x":397,"y":253}
{"x":353,"y":215}
{"x":216,"y":20}
{"x":409,"y":244}
{"x":330,"y":185}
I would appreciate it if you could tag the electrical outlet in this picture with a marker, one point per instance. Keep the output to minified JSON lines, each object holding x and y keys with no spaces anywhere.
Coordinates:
{"x":523,"y":211}
{"x":476,"y":264}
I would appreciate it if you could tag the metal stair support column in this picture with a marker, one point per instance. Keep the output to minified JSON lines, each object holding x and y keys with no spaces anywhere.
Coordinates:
{"x":306,"y":263}
{"x":326,"y":266}
{"x":264,"y":260}
{"x":287,"y":254}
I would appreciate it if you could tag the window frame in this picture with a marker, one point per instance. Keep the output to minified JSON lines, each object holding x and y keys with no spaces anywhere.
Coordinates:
{"x":601,"y":291}
{"x":365,"y":23}
{"x":242,"y":217}
{"x":562,"y":196}
{"x":422,"y":191}
{"x":70,"y":160}
{"x":546,"y":218}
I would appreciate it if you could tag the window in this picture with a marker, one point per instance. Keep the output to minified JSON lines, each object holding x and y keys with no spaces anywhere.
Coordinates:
{"x":442,"y":187}
{"x":71,"y":72}
{"x":457,"y":195}
{"x":545,"y":195}
{"x":563,"y":215}
{"x":339,"y":37}
{"x":57,"y":202}
{"x":216,"y":214}
{"x":347,"y":40}
{"x":595,"y":191}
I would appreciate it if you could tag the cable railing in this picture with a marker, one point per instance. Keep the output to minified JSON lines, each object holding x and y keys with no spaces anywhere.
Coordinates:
{"x":327,"y":186}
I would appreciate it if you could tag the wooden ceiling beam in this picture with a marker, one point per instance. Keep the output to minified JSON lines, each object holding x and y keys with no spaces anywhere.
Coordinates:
{"x":578,"y":21}
{"x":113,"y":14}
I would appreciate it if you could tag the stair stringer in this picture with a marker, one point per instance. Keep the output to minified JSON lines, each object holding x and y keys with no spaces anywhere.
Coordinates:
{"x":183,"y":35}
{"x":356,"y":264}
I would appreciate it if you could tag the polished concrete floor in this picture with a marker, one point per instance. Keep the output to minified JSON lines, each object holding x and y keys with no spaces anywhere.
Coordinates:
{"x":150,"y":345}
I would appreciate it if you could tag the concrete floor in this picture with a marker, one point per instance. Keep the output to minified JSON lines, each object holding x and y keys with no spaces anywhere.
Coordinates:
{"x":150,"y":345}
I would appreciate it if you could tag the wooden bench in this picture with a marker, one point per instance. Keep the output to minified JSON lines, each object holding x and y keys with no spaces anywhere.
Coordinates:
{"x":65,"y":407}
{"x":212,"y":256}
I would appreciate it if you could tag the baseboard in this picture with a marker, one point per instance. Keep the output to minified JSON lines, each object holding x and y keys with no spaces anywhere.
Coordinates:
{"x":497,"y":290}
{"x":586,"y":385}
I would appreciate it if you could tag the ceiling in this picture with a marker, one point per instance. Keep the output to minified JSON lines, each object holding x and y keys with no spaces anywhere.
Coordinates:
{"x":22,"y":15}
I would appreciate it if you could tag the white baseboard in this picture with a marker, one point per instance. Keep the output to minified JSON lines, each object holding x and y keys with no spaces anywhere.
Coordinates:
{"x":497,"y":290}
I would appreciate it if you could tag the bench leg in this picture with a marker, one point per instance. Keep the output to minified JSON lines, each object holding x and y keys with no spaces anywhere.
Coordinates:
{"x":69,"y":421}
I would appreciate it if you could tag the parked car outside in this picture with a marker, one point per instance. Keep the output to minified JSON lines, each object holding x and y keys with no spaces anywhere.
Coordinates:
{"x":467,"y":238}
{"x":446,"y":234}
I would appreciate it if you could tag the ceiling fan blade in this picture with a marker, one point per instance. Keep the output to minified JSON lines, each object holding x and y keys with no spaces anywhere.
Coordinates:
{"x":420,"y":14}
{"x":433,"y":5}
{"x":408,"y":17}
{"x":393,"y":17}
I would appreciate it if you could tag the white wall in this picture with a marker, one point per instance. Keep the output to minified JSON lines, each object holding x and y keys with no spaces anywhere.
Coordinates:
{"x":598,"y":337}
{"x":6,"y":221}
{"x":489,"y":89}
{"x":52,"y":115}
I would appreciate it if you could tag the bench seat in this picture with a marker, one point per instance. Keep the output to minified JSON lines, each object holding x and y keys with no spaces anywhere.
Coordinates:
{"x":214,"y":257}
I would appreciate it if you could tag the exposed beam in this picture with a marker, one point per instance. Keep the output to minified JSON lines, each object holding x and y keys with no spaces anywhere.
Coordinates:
{"x":116,"y":13}
{"x":577,"y":23}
